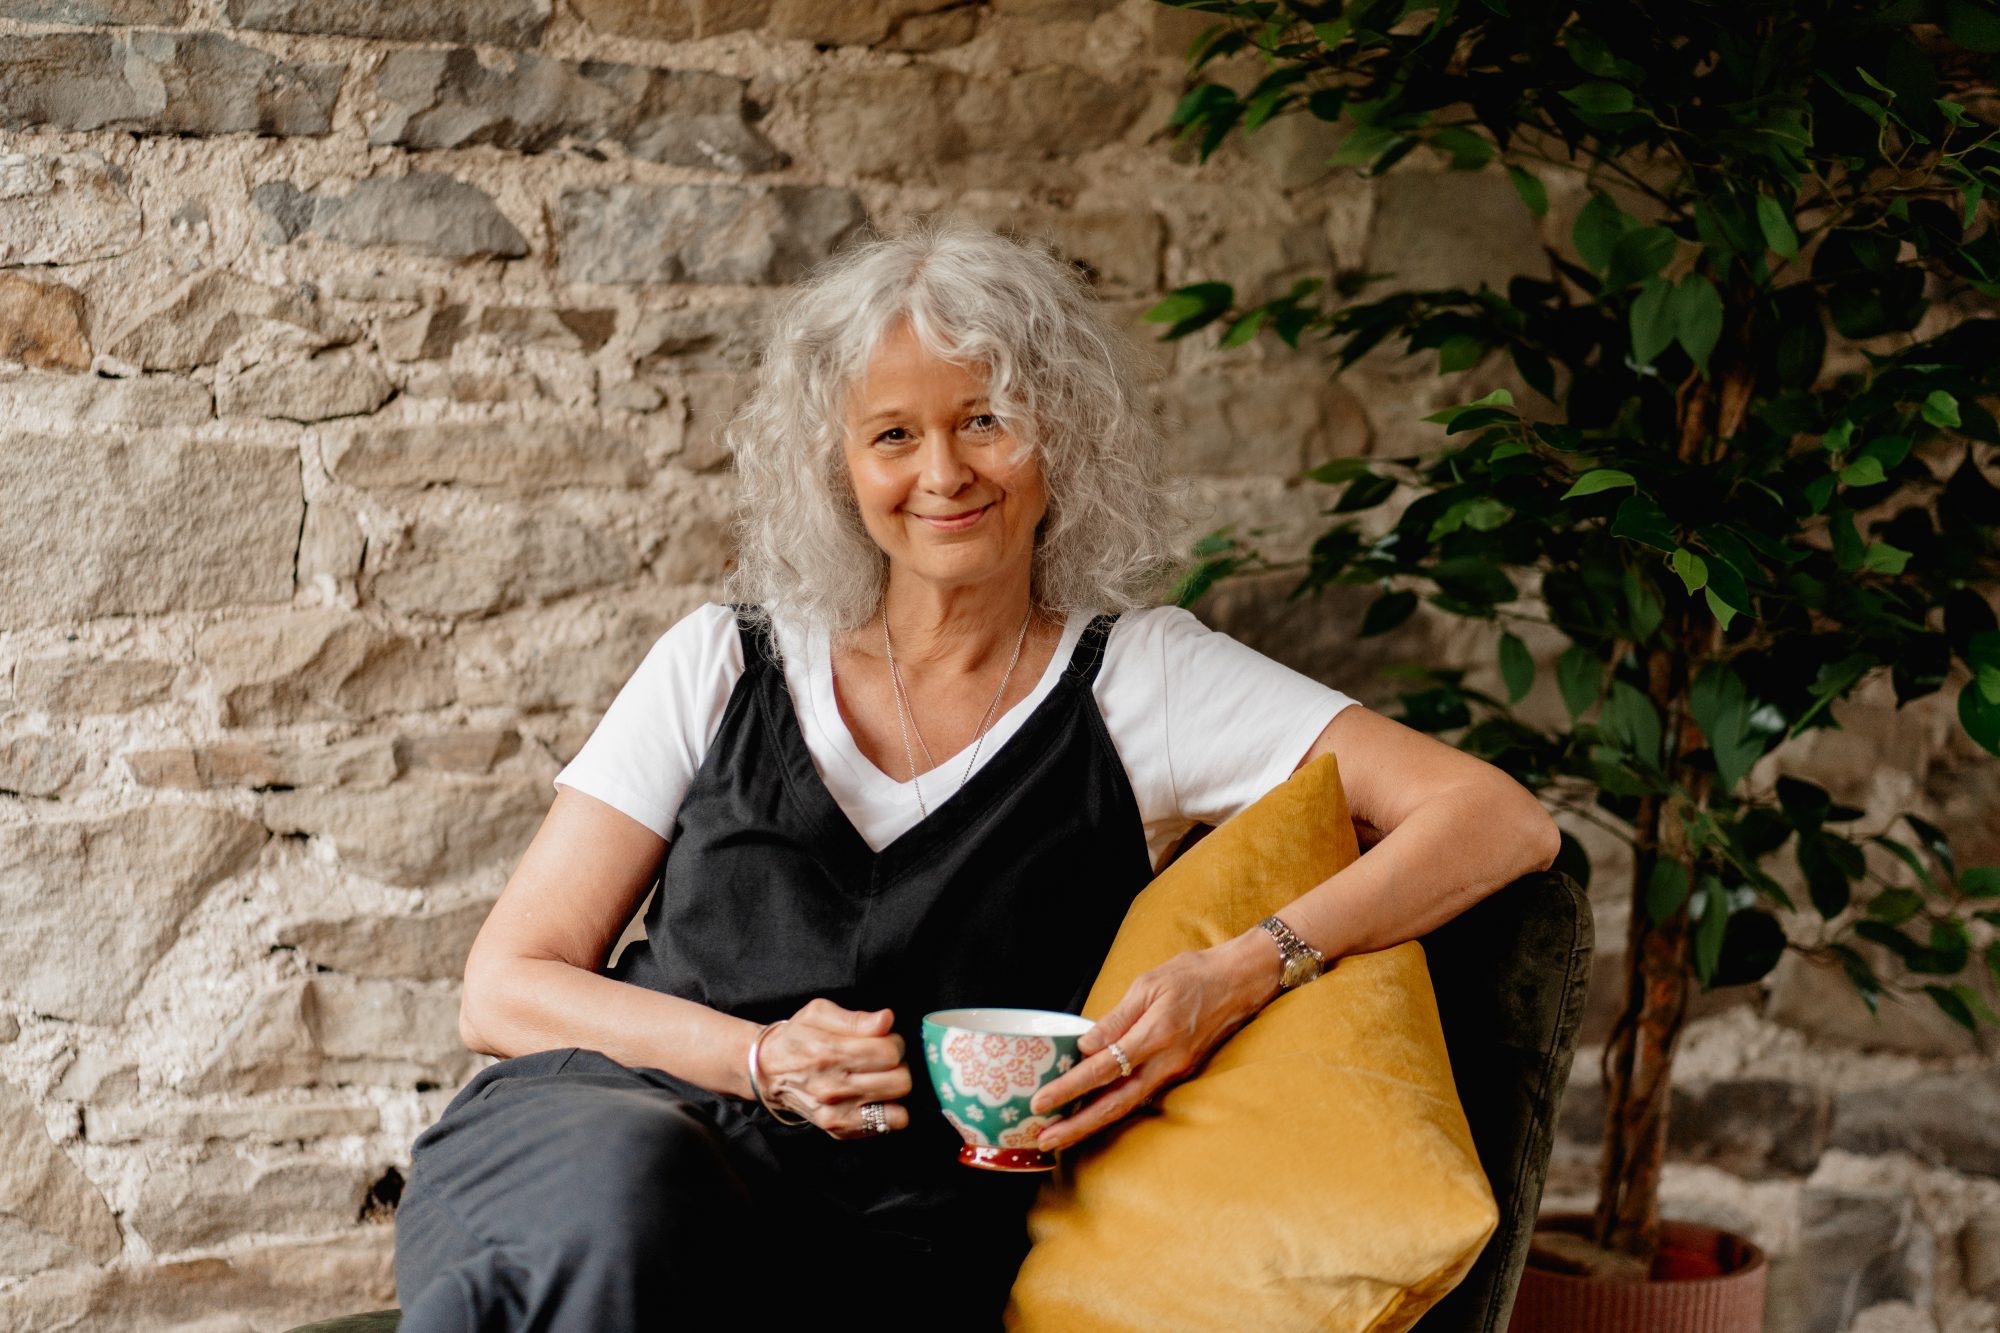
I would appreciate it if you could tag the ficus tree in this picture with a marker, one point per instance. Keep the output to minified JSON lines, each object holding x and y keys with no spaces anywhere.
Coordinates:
{"x":1751,"y":470}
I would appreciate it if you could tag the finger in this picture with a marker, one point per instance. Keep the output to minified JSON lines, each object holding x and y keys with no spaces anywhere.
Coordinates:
{"x":870,"y":1054}
{"x":1100,"y":1070}
{"x":825,"y":1013}
{"x":852,"y":1124}
{"x":1113,"y":1026}
{"x":886,"y":1086}
{"x":1095,"y":1115}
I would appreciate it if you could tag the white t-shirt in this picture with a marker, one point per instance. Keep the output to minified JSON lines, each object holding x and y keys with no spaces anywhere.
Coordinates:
{"x":1203,"y":725}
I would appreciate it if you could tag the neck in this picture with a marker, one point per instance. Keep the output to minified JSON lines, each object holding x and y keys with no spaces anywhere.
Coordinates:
{"x":962,"y":627}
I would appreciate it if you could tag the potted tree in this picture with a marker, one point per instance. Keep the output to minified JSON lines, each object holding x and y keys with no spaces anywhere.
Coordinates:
{"x":1750,"y":468}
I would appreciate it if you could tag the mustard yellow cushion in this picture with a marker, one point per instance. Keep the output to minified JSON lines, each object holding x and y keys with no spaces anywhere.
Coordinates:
{"x":1315,"y":1173}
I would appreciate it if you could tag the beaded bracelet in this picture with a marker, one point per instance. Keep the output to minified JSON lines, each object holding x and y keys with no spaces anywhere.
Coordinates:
{"x":756,"y":1087}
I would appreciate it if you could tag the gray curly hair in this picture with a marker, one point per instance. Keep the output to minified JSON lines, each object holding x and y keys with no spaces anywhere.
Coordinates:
{"x":1062,"y":378}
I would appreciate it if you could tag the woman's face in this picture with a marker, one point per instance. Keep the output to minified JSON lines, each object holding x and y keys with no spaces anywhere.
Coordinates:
{"x":934,"y":470}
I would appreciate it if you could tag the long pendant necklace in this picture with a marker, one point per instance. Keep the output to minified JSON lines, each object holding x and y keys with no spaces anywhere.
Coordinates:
{"x":906,"y":715}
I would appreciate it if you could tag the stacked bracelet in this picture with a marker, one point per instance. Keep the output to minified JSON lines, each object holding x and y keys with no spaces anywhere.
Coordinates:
{"x":756,"y":1086}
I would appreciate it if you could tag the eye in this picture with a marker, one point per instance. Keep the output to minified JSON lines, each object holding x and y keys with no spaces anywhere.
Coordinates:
{"x":994,"y":422}
{"x":884,"y":436}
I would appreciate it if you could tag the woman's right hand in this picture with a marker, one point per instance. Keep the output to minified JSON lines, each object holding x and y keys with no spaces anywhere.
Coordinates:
{"x":826,"y":1063}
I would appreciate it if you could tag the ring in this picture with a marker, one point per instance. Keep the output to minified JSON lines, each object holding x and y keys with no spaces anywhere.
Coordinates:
{"x":875,"y":1116}
{"x":1118,"y":1054}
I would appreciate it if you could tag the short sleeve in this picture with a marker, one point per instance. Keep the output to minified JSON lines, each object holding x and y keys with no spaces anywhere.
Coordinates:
{"x":1235,"y":723}
{"x":650,"y":743}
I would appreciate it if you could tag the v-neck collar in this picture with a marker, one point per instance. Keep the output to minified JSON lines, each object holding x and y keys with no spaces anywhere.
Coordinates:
{"x":809,"y":788}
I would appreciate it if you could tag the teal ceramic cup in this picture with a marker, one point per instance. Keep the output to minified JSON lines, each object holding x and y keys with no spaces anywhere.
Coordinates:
{"x":985,"y":1064}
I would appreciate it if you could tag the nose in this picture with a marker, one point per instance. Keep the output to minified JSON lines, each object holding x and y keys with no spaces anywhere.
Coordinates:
{"x":945,"y":471}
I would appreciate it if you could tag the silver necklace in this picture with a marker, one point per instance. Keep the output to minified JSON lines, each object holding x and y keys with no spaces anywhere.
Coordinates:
{"x":906,"y":716}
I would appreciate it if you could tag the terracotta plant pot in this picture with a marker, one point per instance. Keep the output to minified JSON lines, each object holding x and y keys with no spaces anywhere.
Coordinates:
{"x":1704,"y":1281}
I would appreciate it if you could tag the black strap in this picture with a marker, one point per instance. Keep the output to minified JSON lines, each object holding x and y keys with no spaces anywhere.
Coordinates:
{"x":1089,"y":654}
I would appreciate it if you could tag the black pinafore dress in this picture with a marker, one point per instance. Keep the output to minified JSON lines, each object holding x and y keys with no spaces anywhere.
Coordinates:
{"x":1008,"y":893}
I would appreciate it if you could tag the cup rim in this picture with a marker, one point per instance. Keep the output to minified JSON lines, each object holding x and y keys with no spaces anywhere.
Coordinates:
{"x":1020,"y":1022}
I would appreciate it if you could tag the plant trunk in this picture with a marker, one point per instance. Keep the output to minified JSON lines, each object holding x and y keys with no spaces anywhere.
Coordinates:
{"x":1638,"y":1057}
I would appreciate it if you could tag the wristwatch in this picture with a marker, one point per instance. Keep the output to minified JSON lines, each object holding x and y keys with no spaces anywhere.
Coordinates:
{"x":1302,"y":962}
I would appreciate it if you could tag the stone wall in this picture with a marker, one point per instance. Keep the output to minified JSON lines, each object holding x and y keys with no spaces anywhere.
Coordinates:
{"x":360,"y":369}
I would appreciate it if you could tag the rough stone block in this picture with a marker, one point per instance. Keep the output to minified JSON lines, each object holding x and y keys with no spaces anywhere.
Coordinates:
{"x":396,"y":1033}
{"x":420,"y":829}
{"x":496,"y":22}
{"x":173,"y":525}
{"x":1273,"y":426}
{"x":214,"y":311}
{"x":229,"y":1195}
{"x":427,"y":335}
{"x":50,"y":1212}
{"x":331,"y":545}
{"x":891,"y":123}
{"x":319,"y":665}
{"x":64,"y":400}
{"x":1817,"y":999}
{"x":1053,"y":111}
{"x":88,"y":905}
{"x":479,"y":560}
{"x":844,"y":22}
{"x":1120,"y":252}
{"x":363,"y":764}
{"x":1451,"y":229}
{"x":43,"y":324}
{"x":273,"y":1044}
{"x":1950,"y":1120}
{"x":672,"y":20}
{"x":935,"y":32}
{"x":519,"y":667}
{"x":423,"y":211}
{"x":1979,"y":1253}
{"x":474,"y":750}
{"x":97,"y":1076}
{"x":63,"y":208}
{"x":515,"y":455}
{"x":160,"y":83}
{"x":161,"y":13}
{"x":41,"y":765}
{"x":1856,"y":1249}
{"x":701,"y":233}
{"x":339,"y":384}
{"x":531,"y":104}
{"x":725,"y":336}
{"x":429,"y":946}
{"x":269,"y":1122}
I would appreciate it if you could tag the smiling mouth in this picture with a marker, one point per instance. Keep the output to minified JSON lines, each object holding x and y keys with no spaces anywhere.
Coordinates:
{"x":953,"y":522}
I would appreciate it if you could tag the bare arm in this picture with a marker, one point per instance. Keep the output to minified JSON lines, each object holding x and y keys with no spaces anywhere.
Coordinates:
{"x":531,"y":981}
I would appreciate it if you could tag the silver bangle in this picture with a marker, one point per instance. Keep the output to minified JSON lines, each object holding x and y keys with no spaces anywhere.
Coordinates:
{"x":756,"y":1085}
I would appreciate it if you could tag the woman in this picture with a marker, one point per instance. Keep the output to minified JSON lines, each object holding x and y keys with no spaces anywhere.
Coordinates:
{"x":927,"y":763}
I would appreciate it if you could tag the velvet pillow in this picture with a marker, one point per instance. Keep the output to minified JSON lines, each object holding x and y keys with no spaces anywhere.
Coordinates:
{"x":1315,"y":1173}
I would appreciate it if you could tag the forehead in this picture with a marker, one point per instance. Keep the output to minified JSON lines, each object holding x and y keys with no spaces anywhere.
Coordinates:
{"x":903,"y":374}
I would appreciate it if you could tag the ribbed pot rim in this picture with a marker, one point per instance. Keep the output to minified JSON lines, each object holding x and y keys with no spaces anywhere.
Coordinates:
{"x":1564,"y":1222}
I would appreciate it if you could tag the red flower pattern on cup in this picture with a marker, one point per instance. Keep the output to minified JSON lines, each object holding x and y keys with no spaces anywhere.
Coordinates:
{"x":997,"y":1068}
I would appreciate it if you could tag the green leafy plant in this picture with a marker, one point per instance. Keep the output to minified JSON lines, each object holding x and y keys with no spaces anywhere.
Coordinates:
{"x":1751,"y":472}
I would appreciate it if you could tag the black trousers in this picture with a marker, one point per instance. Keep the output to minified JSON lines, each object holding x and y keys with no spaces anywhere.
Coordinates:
{"x":562,"y":1192}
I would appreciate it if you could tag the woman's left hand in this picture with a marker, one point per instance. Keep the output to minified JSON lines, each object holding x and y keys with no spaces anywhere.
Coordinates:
{"x":1168,"y":1022}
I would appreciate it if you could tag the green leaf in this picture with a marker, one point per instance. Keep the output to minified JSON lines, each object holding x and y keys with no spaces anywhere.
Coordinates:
{"x":1934,"y":842}
{"x":1204,"y":575}
{"x":1716,"y":698}
{"x":1863,"y":471}
{"x":1243,"y":330}
{"x":1709,"y":930}
{"x":1640,"y":519}
{"x":1691,"y":567}
{"x":1907,"y":857}
{"x":1631,"y":719}
{"x":1517,"y":668}
{"x":1941,"y":409}
{"x":1336,"y":470}
{"x":1895,"y":906}
{"x":1331,"y":34}
{"x":1697,"y":317}
{"x":1599,"y":97}
{"x":1201,"y":300}
{"x":1469,"y":151}
{"x":1952,"y":111}
{"x":1775,"y":222}
{"x":1387,"y":612}
{"x":1450,"y":415}
{"x":1529,"y":186}
{"x":1637,"y":255}
{"x":1461,"y":351}
{"x":1980,"y":882}
{"x":1598,"y":479}
{"x":1825,"y":881}
{"x":1980,"y":717}
{"x":1953,"y":1001}
{"x":1652,"y":320}
{"x":1837,"y":435}
{"x":1884,"y":558}
{"x":1643,"y":608}
{"x":1580,"y":677}
{"x":1599,"y":224}
{"x":1364,"y":145}
{"x":1666,"y":890}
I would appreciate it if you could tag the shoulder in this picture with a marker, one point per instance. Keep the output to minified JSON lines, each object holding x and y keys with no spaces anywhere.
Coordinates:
{"x":700,"y":641}
{"x":1153,"y":629}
